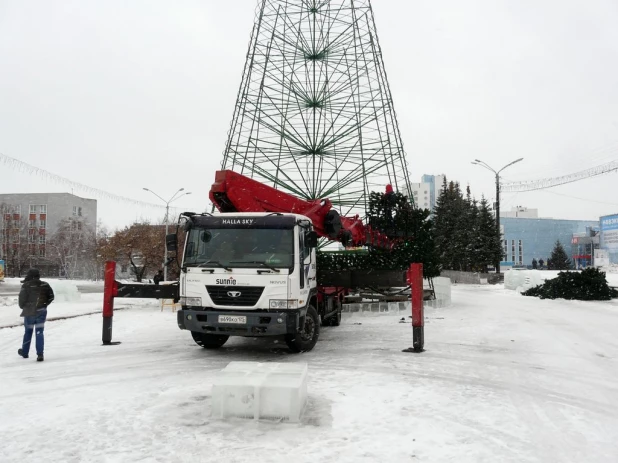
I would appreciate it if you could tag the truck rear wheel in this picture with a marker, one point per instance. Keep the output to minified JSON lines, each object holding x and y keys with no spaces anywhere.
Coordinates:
{"x":307,"y":337}
{"x":333,"y":320}
{"x":209,"y":341}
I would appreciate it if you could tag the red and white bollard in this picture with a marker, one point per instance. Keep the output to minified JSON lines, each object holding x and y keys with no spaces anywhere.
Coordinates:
{"x":414,"y":277}
{"x":110,"y":290}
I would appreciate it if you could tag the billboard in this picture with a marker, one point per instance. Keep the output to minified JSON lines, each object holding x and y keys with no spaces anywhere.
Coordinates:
{"x":609,"y":236}
{"x":609,"y":232}
{"x":1,"y":270}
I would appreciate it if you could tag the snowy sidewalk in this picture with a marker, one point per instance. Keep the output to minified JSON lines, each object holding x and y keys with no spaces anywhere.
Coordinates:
{"x":87,"y":304}
{"x":505,"y":378}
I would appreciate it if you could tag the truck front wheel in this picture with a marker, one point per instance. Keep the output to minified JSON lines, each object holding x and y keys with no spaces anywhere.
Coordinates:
{"x":209,"y":341}
{"x":306,"y":338}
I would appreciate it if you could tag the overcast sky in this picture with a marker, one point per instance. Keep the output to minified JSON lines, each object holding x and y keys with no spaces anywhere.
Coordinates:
{"x":121,"y":95}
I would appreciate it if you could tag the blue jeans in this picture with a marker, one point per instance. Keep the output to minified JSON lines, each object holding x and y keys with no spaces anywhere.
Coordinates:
{"x":34,"y":323}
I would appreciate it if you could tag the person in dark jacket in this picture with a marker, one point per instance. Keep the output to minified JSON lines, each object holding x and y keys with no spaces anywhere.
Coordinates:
{"x":158,"y":278}
{"x":34,"y":297}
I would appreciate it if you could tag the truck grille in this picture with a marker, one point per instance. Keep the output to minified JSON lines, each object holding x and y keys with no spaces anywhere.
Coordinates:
{"x":226,"y":295}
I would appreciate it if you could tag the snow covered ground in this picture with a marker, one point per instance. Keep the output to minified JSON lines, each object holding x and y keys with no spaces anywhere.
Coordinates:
{"x":505,"y":378}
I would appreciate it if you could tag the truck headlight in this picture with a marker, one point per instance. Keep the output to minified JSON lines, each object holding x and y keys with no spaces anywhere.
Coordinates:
{"x":194,"y":301}
{"x":283,"y":304}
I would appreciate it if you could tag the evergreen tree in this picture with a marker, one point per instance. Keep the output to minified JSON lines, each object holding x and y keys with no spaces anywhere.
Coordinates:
{"x":409,"y":228}
{"x":534,"y":263}
{"x":589,"y":285}
{"x":491,"y":250}
{"x":559,"y":259}
{"x":443,"y":226}
{"x":449,"y":221}
{"x":465,"y":232}
{"x":468,"y":226}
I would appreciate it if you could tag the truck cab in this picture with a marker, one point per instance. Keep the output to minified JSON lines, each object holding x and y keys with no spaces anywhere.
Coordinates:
{"x":249,"y":274}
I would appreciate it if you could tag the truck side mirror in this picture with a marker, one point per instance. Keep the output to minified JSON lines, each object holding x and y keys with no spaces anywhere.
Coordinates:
{"x":311,"y":239}
{"x":171,"y":242}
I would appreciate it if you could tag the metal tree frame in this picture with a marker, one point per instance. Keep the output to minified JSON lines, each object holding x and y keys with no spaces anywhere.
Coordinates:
{"x":314,"y":114}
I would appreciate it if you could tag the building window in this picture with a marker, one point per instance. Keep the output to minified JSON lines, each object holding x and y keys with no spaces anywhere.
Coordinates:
{"x":33,"y":208}
{"x":32,"y":250}
{"x":42,"y":251}
{"x":16,"y":237}
{"x":32,"y":223}
{"x":42,"y":223}
{"x":43,"y":208}
{"x":42,"y":239}
{"x":521,"y":252}
{"x":30,"y":238}
{"x":17,"y":209}
{"x":77,"y":211}
{"x":79,"y":225}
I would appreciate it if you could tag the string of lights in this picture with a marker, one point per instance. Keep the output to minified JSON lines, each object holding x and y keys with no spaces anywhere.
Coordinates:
{"x":24,"y":167}
{"x":530,"y":185}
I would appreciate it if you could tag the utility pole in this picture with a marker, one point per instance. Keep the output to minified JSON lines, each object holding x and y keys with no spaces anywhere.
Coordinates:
{"x":478,"y":162}
{"x":498,"y":216}
{"x":167,"y":215}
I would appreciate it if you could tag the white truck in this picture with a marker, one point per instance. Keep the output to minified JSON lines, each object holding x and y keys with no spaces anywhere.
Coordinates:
{"x":251,"y":274}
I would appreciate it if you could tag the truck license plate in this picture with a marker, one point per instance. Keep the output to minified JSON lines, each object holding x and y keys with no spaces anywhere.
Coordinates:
{"x":237,"y":319}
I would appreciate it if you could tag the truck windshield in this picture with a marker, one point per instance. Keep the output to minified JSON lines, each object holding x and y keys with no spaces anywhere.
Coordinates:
{"x":240,"y":247}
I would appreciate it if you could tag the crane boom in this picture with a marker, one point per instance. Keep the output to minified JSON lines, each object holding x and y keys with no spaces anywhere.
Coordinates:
{"x":234,"y":192}
{"x":530,"y":185}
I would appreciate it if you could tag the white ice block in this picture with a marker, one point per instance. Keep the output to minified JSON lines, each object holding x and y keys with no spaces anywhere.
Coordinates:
{"x":521,"y":280}
{"x":64,"y":290}
{"x":260,"y":391}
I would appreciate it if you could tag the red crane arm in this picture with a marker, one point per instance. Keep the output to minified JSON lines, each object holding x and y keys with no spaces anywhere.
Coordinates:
{"x":233,"y":192}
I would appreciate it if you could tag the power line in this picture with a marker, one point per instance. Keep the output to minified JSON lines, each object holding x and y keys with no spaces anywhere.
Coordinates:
{"x":21,"y":166}
{"x":530,"y":185}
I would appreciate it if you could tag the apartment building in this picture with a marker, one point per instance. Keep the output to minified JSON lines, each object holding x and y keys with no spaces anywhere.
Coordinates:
{"x":28,"y":220}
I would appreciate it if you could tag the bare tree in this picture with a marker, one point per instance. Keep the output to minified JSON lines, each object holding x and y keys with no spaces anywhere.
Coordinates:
{"x":73,"y":247}
{"x":140,"y":246}
{"x":95,"y":262}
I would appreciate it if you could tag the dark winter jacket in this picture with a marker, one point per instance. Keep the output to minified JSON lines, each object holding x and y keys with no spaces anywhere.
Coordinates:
{"x":34,"y":295}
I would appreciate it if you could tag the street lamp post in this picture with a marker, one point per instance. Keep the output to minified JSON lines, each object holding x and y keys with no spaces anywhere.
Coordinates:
{"x":478,"y":162}
{"x":167,"y":214}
